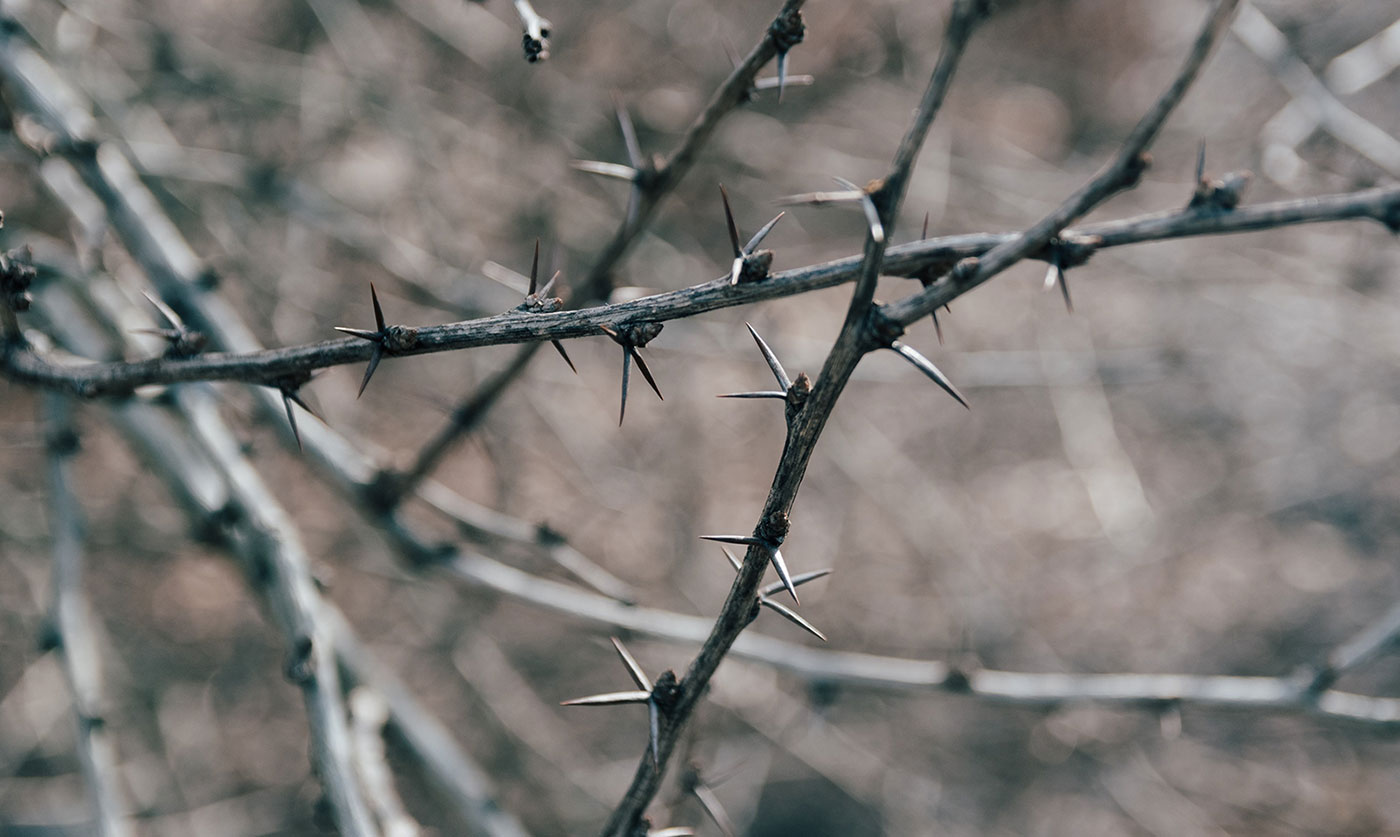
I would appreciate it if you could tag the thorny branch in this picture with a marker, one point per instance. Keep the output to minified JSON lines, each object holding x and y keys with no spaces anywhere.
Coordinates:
{"x":913,"y":259}
{"x":653,"y":184}
{"x":864,"y":331}
{"x":805,"y":424}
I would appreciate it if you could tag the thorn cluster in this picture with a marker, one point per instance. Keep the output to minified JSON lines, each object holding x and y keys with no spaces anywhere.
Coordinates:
{"x":639,"y":172}
{"x":765,"y":595}
{"x":538,"y":301}
{"x":658,"y":697}
{"x":632,"y":337}
{"x":784,"y":382}
{"x":749,"y":265}
{"x":774,"y":555}
{"x":387,"y":339}
{"x":851,"y":193}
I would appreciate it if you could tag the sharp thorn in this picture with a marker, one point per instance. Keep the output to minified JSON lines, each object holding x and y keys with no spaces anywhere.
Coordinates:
{"x":626,"y":373}
{"x":710,"y":803}
{"x":614,"y":170}
{"x":782,"y":75}
{"x":534,"y":270}
{"x":926,"y":366}
{"x":549,"y":286}
{"x":762,"y":234}
{"x":609,"y":699}
{"x":629,"y":133}
{"x":1201,"y":162}
{"x":1064,"y":291}
{"x":733,"y":562}
{"x":372,"y":336}
{"x":646,"y":373}
{"x":729,"y":223}
{"x":798,"y":80}
{"x":166,"y":311}
{"x":736,"y":270}
{"x":937,"y":328}
{"x":291,"y":417}
{"x":778,"y":372}
{"x":867,"y":205}
{"x":797,"y":581}
{"x":792,"y":616}
{"x":776,"y":556}
{"x":559,"y":347}
{"x":378,"y":312}
{"x":924,"y":234}
{"x":743,"y":540}
{"x":634,"y":669}
{"x":373,"y":365}
{"x":781,"y":396}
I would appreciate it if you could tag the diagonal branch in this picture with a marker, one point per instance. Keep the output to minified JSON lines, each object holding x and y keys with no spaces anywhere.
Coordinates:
{"x":734,"y":91}
{"x":74,"y":633}
{"x":1123,"y":172}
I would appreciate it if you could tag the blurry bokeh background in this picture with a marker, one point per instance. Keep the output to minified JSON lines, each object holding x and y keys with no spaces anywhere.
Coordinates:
{"x":1194,"y":472}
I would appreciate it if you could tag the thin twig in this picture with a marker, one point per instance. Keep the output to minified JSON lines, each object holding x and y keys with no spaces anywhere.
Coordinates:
{"x":652,"y":189}
{"x":74,"y":633}
{"x":1121,"y":173}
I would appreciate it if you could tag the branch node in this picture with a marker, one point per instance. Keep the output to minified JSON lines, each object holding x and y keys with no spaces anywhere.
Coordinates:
{"x":300,"y":667}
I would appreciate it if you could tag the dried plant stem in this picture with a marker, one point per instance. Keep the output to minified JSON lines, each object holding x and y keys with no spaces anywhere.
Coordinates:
{"x":660,"y":181}
{"x":98,"y":379}
{"x":74,"y":633}
{"x":805,"y":424}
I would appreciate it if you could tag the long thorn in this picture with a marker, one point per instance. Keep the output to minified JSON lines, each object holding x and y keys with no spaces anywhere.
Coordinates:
{"x":781,"y":396}
{"x":926,"y":366}
{"x":780,"y":565}
{"x":373,"y":365}
{"x":872,"y":215}
{"x":626,"y":374}
{"x":778,"y":372}
{"x":633,"y":667}
{"x":534,"y":270}
{"x":378,"y":312}
{"x":614,"y":170}
{"x":937,"y":327}
{"x":559,"y":347}
{"x":797,"y":581}
{"x":646,"y":373}
{"x":609,"y":699}
{"x":729,"y":223}
{"x":629,"y":133}
{"x":782,"y":75}
{"x":762,"y":233}
{"x":792,"y":616}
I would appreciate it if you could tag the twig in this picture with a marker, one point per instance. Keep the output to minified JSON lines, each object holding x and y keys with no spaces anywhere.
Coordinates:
{"x":97,"y":379}
{"x":805,"y":423}
{"x":782,"y":34}
{"x":1121,"y":173}
{"x":73,"y":629}
{"x":368,"y":715}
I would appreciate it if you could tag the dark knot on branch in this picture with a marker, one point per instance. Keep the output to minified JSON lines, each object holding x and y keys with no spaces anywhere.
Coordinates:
{"x":787,"y":30}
